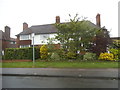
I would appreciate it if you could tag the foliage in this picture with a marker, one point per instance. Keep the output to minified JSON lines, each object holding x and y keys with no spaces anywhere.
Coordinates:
{"x":115,"y":52}
{"x":21,"y":53}
{"x":116,"y":44}
{"x":44,"y":52}
{"x":89,"y":56}
{"x":61,"y":53}
{"x":101,"y":41}
{"x":106,"y":56}
{"x":75,"y":35}
{"x":115,"y":49}
{"x":71,"y":55}
{"x":80,"y":57}
{"x":55,"y":57}
{"x":50,"y":44}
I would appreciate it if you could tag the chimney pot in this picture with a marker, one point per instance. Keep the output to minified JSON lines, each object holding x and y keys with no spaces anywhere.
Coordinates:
{"x":98,"y":22}
{"x":7,"y":32}
{"x":25,"y":26}
{"x":57,"y":19}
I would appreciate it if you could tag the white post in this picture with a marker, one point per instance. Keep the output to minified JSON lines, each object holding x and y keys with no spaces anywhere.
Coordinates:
{"x":33,"y":49}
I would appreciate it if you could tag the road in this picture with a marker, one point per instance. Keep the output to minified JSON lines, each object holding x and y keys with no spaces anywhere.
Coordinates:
{"x":56,"y":82}
{"x":59,"y":78}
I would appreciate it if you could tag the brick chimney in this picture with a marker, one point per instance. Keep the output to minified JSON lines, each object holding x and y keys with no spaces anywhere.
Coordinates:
{"x":98,"y":23}
{"x":57,"y":19}
{"x":25,"y":26}
{"x":7,"y":32}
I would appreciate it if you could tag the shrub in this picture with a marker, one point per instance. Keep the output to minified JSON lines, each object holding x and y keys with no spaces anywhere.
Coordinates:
{"x":71,"y":55}
{"x":106,"y":56}
{"x":55,"y":57}
{"x":44,"y":52}
{"x":89,"y":56}
{"x":51,"y":48}
{"x":21,"y":53}
{"x":61,"y":54}
{"x":115,"y":53}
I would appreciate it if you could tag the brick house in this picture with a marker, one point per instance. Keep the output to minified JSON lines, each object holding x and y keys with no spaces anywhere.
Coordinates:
{"x":43,"y":32}
{"x":5,"y":40}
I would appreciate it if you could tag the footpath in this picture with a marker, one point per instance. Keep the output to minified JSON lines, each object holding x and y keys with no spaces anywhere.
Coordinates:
{"x":109,"y":73}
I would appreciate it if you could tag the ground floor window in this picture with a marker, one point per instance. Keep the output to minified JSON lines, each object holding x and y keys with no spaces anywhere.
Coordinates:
{"x":24,"y":46}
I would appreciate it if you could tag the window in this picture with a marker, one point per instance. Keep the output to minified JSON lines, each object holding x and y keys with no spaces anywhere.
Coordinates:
{"x":24,"y":46}
{"x":12,"y":42}
{"x":24,"y":37}
{"x":44,"y":36}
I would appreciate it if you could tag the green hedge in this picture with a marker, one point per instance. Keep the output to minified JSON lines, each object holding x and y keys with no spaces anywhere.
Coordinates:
{"x":21,"y":53}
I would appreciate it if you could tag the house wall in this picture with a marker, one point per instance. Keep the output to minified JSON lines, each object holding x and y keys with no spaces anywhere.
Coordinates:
{"x":39,"y":40}
{"x":42,"y":39}
{"x":25,"y":42}
{"x":5,"y":44}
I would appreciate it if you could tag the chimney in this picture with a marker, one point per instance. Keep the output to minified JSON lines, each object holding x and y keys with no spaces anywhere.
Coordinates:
{"x":57,"y":19}
{"x":98,"y":23}
{"x":7,"y":32}
{"x":25,"y":26}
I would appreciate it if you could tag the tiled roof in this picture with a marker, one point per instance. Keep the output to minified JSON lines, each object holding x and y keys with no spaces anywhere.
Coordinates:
{"x":12,"y":39}
{"x":40,"y":29}
{"x":48,"y":28}
{"x":3,"y":35}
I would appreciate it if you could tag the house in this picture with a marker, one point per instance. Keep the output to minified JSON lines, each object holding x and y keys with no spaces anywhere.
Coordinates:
{"x":5,"y":40}
{"x":43,"y":32}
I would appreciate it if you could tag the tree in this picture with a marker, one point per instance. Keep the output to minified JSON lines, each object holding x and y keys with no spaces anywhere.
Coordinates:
{"x":43,"y":52}
{"x":101,"y":42}
{"x":76,"y":35}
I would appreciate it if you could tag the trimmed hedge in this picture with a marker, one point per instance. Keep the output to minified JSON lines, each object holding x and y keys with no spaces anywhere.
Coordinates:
{"x":21,"y":53}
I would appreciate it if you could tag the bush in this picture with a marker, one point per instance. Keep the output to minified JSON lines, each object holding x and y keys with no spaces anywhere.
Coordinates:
{"x":61,"y":54}
{"x":115,"y":53}
{"x":89,"y":56}
{"x":80,"y":57}
{"x":55,"y":57}
{"x":71,"y":55}
{"x":106,"y":56}
{"x":44,"y":52}
{"x":21,"y":53}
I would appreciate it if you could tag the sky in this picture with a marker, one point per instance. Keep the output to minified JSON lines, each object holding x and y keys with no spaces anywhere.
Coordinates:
{"x":14,"y":13}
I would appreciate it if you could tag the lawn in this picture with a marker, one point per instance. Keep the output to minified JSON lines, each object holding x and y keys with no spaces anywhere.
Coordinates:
{"x":60,"y":64}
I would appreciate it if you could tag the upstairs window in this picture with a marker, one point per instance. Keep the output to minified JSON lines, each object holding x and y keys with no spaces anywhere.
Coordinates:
{"x":24,"y":37}
{"x":44,"y":36}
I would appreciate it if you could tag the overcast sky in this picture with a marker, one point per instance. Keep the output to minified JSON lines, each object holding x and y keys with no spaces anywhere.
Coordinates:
{"x":37,"y":12}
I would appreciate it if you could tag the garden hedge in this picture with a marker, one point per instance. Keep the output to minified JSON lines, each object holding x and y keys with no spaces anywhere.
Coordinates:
{"x":21,"y":53}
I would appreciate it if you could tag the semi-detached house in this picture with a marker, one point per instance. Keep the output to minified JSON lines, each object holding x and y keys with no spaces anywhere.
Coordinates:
{"x":5,"y":39}
{"x":42,"y":33}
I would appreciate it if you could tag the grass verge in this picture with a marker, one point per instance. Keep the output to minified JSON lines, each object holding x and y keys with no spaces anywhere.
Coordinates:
{"x":60,"y":64}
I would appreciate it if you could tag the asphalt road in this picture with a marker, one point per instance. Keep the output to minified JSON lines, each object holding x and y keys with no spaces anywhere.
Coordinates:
{"x":59,"y":78}
{"x":56,"y":82}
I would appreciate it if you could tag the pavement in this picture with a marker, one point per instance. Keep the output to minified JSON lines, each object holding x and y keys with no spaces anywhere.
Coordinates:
{"x":109,"y":73}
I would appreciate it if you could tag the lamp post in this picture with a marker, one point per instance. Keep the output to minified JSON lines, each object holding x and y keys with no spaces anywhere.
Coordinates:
{"x":33,"y":49}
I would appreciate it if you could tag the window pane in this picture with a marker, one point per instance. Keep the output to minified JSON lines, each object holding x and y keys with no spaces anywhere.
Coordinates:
{"x":24,"y":37}
{"x":24,"y":46}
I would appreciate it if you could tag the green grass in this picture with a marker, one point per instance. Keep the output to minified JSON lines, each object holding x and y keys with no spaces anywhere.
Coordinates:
{"x":60,"y":64}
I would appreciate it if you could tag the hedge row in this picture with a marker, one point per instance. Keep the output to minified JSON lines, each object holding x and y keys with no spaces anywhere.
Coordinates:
{"x":21,"y":53}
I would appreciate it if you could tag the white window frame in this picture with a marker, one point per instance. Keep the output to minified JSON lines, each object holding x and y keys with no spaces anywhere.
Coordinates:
{"x":44,"y":36}
{"x":12,"y":42}
{"x":24,"y":37}
{"x":24,"y":46}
